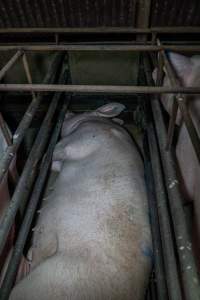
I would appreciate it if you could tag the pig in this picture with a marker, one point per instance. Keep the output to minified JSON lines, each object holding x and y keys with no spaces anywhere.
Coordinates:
{"x":188,"y":71}
{"x":92,"y":239}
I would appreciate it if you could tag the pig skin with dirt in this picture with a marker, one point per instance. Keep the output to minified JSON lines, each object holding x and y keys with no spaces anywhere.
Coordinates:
{"x":92,"y":239}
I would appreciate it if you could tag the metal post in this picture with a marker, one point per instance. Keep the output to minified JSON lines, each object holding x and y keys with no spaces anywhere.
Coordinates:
{"x":5,"y":130}
{"x":171,"y":270}
{"x":32,"y":206}
{"x":155,"y":229}
{"x":26,"y":121}
{"x":10,"y":63}
{"x":28,"y":73}
{"x":189,"y":274}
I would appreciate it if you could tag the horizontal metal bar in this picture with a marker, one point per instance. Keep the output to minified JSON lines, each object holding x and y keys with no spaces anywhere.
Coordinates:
{"x":27,"y":221}
{"x":10,"y":63}
{"x":184,"y":248}
{"x":27,"y":119}
{"x":103,"y":30}
{"x":110,"y":89}
{"x":75,"y":47}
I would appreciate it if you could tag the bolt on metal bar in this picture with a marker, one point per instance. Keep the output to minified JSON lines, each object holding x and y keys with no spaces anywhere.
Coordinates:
{"x":155,"y":229}
{"x":29,"y":172}
{"x":75,"y":47}
{"x":110,"y":89}
{"x":10,"y":63}
{"x":181,"y":100}
{"x":189,"y":273}
{"x":32,"y":206}
{"x":26,"y":121}
{"x":171,"y":269}
{"x":28,"y":73}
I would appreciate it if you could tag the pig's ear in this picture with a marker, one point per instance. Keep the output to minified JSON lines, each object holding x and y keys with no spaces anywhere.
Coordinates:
{"x":110,"y":110}
{"x":182,"y":65}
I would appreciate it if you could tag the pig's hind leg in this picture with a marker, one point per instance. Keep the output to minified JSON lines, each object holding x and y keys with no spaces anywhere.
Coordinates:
{"x":44,"y":282}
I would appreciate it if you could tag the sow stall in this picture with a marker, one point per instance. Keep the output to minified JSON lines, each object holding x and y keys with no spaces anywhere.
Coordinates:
{"x":174,"y":275}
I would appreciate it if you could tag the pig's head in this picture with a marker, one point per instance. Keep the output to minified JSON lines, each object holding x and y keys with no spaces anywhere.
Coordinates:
{"x":188,"y":71}
{"x":79,"y":145}
{"x":107,"y":111}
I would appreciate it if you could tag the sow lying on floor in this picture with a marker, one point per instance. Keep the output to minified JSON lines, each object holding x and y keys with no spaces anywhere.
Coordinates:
{"x":92,"y":239}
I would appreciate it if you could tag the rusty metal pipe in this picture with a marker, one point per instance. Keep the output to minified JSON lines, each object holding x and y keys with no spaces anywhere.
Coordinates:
{"x":10,"y":63}
{"x":32,"y":206}
{"x":102,"y":30}
{"x":188,"y":267}
{"x":75,"y":47}
{"x":110,"y":89}
{"x":28,"y":175}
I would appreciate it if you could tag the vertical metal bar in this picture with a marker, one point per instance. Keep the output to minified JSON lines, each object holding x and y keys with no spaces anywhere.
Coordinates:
{"x":189,"y":274}
{"x":28,"y":73}
{"x":155,"y":229}
{"x":5,"y":130}
{"x":32,"y":206}
{"x":171,"y":127}
{"x":171,"y":270}
{"x":174,"y":111}
{"x":10,"y":63}
{"x":143,"y":17}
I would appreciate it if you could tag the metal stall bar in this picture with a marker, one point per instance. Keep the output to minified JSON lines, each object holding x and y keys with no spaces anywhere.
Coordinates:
{"x":189,"y":274}
{"x":32,"y":206}
{"x":5,"y":130}
{"x":181,"y":100}
{"x":28,"y":73}
{"x":28,"y":175}
{"x":10,"y":63}
{"x":26,"y":121}
{"x":110,"y":89}
{"x":171,"y":269}
{"x":101,"y":30}
{"x":161,"y":287}
{"x":76,"y":47}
